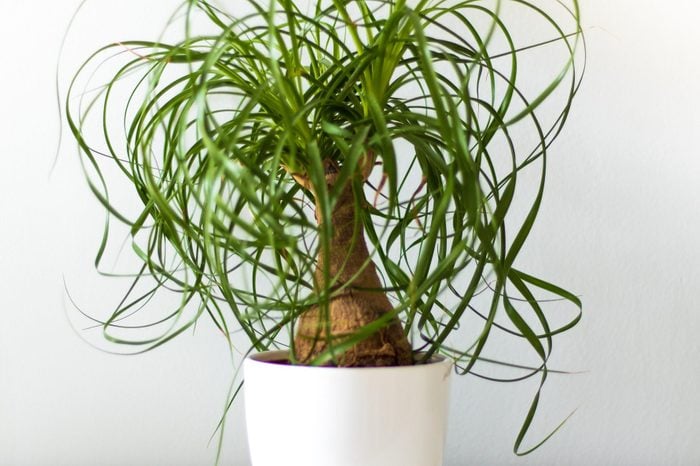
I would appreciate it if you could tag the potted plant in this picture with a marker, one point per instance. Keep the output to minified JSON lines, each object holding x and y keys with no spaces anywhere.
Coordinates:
{"x":334,"y":180}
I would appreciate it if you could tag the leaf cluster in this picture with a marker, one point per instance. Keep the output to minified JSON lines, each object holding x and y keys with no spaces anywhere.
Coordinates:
{"x":210,"y":129}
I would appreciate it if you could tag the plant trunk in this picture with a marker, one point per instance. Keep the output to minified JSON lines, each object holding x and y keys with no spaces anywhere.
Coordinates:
{"x":360,"y":302}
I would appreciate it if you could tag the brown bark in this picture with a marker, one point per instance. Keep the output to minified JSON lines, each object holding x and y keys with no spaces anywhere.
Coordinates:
{"x":359,"y":301}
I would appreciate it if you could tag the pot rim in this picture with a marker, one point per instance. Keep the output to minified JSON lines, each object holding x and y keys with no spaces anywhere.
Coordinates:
{"x":267,"y":357}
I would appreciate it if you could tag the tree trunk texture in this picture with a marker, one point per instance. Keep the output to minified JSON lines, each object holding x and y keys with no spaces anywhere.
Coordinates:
{"x":360,"y":302}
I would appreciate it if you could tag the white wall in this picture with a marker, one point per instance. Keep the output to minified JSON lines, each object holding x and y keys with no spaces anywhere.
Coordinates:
{"x":618,"y":226}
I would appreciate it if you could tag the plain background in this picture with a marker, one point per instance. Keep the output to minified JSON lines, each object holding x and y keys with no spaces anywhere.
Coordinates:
{"x":619,"y":226}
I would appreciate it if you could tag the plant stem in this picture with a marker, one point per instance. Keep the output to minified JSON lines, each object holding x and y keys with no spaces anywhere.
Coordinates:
{"x":356,"y":297}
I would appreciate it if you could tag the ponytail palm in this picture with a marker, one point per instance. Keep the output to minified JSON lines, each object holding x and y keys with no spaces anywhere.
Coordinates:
{"x":336,"y":178}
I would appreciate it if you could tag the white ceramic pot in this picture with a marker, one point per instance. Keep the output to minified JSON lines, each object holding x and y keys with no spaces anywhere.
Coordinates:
{"x":322,"y":416}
